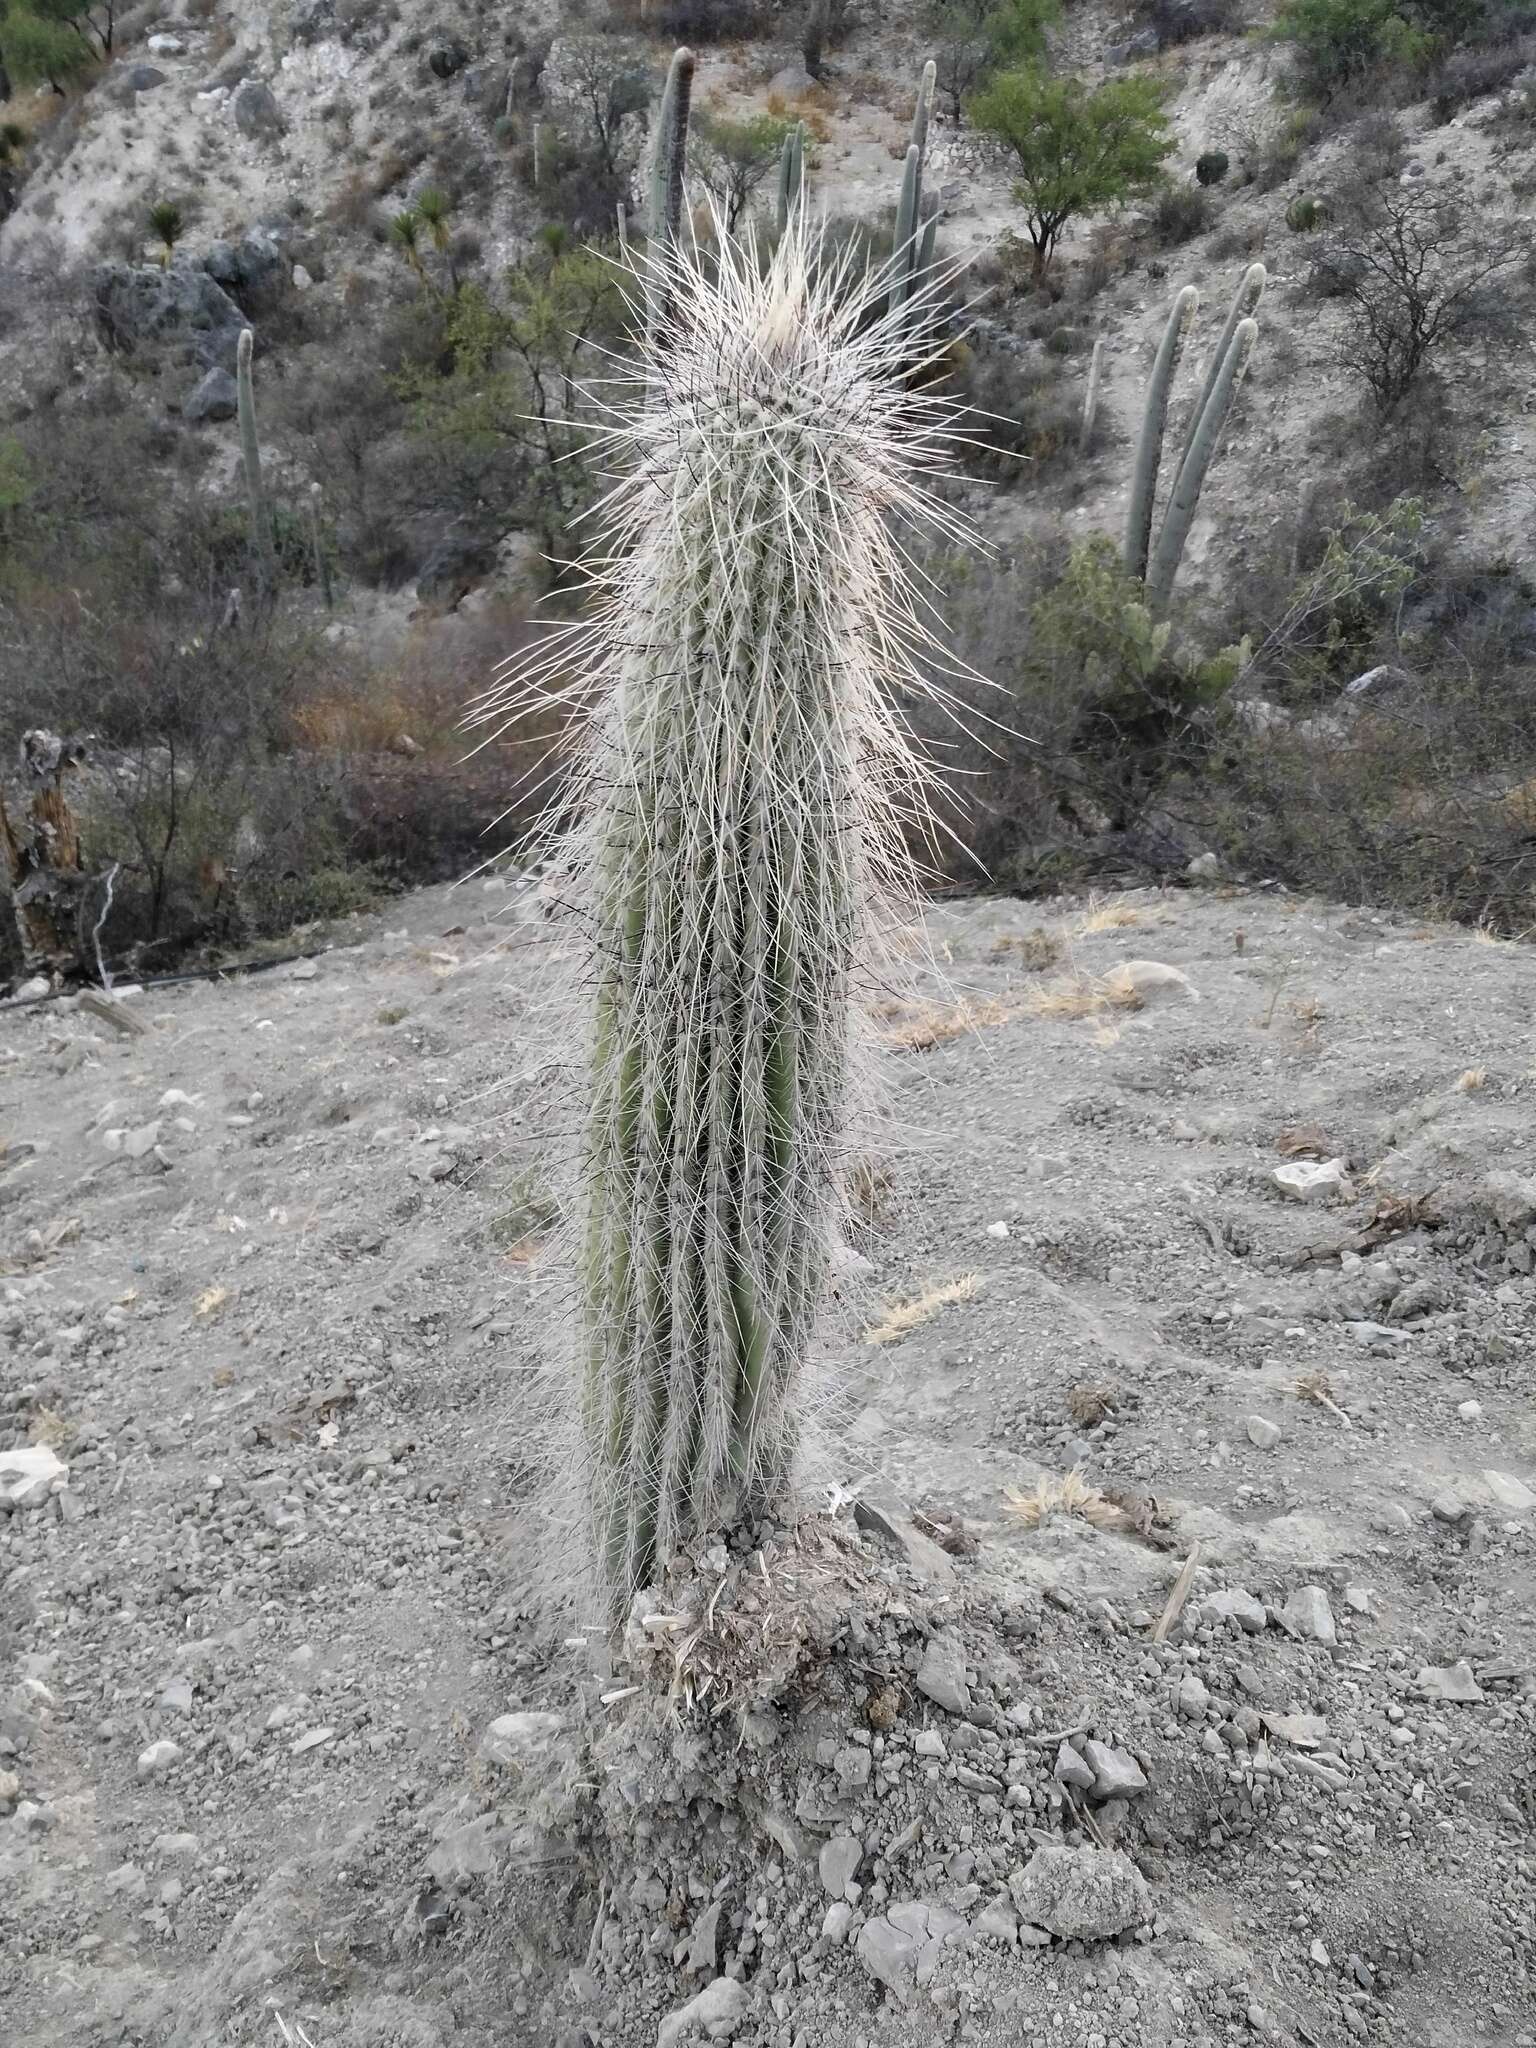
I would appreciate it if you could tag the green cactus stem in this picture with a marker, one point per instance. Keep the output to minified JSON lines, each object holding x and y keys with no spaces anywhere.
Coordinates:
{"x":791,"y":175}
{"x":1091,"y":397}
{"x":1154,"y":419}
{"x":669,"y":159}
{"x":262,"y":558}
{"x":1245,"y":303}
{"x":1185,"y":496}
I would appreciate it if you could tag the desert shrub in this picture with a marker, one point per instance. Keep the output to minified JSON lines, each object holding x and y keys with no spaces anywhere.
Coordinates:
{"x":697,"y":21}
{"x":1305,"y":214}
{"x":1180,"y":21}
{"x":1211,"y":166}
{"x":1026,"y":411}
{"x":1477,"y":72}
{"x":1179,"y":214}
{"x":1336,"y":43}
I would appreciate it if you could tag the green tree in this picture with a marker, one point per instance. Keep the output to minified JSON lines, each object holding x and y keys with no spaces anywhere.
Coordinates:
{"x":512,"y":403}
{"x":1334,"y":43}
{"x":732,"y":158}
{"x":1078,"y":150}
{"x":970,"y":39}
{"x":52,"y":42}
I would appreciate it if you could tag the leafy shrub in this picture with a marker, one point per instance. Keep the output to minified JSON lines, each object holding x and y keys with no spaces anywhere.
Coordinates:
{"x":1211,"y":166}
{"x":1181,"y":213}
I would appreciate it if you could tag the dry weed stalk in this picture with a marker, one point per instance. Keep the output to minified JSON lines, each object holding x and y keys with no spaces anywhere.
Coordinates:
{"x":1069,"y":1494}
{"x":1102,"y":915}
{"x":909,"y":1314}
{"x":1316,"y":1386}
{"x":921,"y":1026}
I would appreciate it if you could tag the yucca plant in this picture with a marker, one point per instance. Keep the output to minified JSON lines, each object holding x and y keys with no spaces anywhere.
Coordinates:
{"x":166,"y":224}
{"x":746,"y":790}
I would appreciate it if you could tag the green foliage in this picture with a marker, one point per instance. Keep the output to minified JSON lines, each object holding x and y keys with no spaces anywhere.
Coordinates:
{"x":970,"y":39}
{"x":166,"y":225}
{"x":500,"y":380}
{"x":733,"y":158}
{"x":1211,"y":167}
{"x":1140,"y":707}
{"x":1078,"y":149}
{"x":15,"y":477}
{"x":53,"y":42}
{"x":1335,"y":43}
{"x":1305,"y":214}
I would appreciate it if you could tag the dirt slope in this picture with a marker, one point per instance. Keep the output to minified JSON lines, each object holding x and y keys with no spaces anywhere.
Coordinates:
{"x":271,"y":1291}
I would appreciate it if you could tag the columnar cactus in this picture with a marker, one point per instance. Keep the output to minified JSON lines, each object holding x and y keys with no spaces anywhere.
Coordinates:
{"x":1158,"y":566}
{"x":1149,"y":447}
{"x":916,"y":225}
{"x":744,"y":789}
{"x":791,"y":175}
{"x":1185,"y":495}
{"x":250,"y":462}
{"x":669,"y":160}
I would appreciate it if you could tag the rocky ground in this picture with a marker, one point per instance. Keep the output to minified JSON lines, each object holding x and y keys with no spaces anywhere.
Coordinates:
{"x":1228,"y":1737}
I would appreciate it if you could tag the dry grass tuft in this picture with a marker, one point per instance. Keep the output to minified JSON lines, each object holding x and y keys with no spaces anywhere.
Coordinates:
{"x":918,"y":1027}
{"x":1084,"y":995}
{"x":1069,"y":1495}
{"x":1103,"y":916}
{"x":914,"y":1310}
{"x":1035,"y":950}
{"x":1473,"y":1079}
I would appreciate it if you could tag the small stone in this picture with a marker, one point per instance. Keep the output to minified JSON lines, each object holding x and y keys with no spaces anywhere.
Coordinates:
{"x":520,"y":1741}
{"x":155,"y":1761}
{"x":1116,"y":1774}
{"x":1469,"y":1411}
{"x":1236,"y":1603}
{"x":837,"y":1921}
{"x":941,"y":1675}
{"x":839,"y":1864}
{"x":1452,"y":1682}
{"x":1313,"y":1180}
{"x":10,"y":1790}
{"x":998,"y":1920}
{"x":1088,"y":1894}
{"x":1449,"y":1507}
{"x":177,"y":1697}
{"x":1071,"y":1769}
{"x":1262,"y":1433}
{"x":999,"y":1229}
{"x":1193,"y":1698}
{"x":1307,"y":1613}
{"x":311,"y":1741}
{"x":1510,"y":1492}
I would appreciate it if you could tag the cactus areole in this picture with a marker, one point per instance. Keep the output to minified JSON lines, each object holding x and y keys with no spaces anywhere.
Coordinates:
{"x":747,"y":785}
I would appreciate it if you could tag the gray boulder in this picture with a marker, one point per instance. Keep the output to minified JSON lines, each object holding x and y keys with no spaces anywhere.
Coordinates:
{"x":142,"y":78}
{"x":250,"y":269}
{"x":313,"y":20}
{"x":445,"y":56}
{"x":1083,"y":1894}
{"x":216,"y":398}
{"x":181,"y":312}
{"x":257,"y":114}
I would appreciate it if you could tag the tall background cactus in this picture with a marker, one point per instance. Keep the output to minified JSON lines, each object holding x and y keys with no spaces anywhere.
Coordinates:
{"x":263,"y":558}
{"x":745,"y":787}
{"x":1158,"y":565}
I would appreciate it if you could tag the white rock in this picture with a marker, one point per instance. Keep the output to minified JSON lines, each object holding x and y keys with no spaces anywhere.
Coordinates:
{"x":137,"y":1144}
{"x":29,"y":1474}
{"x":1307,"y":1613}
{"x":1469,"y":1411}
{"x":716,"y":2005}
{"x":1452,"y":1682}
{"x":839,"y":1864}
{"x":302,"y":280}
{"x":1510,"y":1492}
{"x":1155,"y":981}
{"x":166,"y":46}
{"x":1313,"y":1180}
{"x":1083,"y":1894}
{"x":1236,"y":1603}
{"x":520,"y":1741}
{"x":1263,"y":1433}
{"x":998,"y":1229}
{"x":155,"y":1761}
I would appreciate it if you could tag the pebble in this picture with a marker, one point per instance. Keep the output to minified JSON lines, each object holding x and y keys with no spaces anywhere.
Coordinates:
{"x":1237,"y":1604}
{"x":1072,"y":1769}
{"x":1088,"y":1894}
{"x":1116,"y":1774}
{"x":1470,"y":1411}
{"x":839,"y":1864}
{"x":1263,"y":1433}
{"x":719,"y":2003}
{"x":155,"y":1761}
{"x":941,"y":1675}
{"x":1449,"y":1507}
